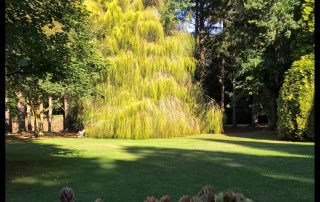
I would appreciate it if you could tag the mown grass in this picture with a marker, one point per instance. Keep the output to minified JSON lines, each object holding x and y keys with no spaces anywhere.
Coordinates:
{"x":263,"y":169}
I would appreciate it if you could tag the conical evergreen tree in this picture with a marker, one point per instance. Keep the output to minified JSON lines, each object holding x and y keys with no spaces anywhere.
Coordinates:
{"x":147,"y":89}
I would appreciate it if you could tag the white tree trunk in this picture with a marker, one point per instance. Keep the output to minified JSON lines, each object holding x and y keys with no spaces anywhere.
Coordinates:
{"x":21,"y":113}
{"x":41,"y":116}
{"x":8,"y":121}
{"x":29,"y":125}
{"x":66,"y":115}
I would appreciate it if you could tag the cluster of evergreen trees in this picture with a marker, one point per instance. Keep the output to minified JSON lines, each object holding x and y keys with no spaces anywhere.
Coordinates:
{"x":249,"y":59}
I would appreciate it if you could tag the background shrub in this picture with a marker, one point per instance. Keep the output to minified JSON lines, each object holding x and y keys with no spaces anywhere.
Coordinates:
{"x":296,"y":101}
{"x":213,"y":119}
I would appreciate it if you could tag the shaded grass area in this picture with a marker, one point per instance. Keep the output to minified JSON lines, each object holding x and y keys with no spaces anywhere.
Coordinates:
{"x":130,"y":170}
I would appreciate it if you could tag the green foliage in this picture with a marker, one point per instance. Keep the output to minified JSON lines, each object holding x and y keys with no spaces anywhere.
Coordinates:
{"x":213,"y":119}
{"x":76,"y":114}
{"x":308,"y":15}
{"x":296,"y":101}
{"x":259,"y":42}
{"x":151,"y":3}
{"x":170,"y":12}
{"x":49,"y":51}
{"x":151,"y":31}
{"x":37,"y":37}
{"x":305,"y":37}
{"x":148,"y":90}
{"x":269,"y":34}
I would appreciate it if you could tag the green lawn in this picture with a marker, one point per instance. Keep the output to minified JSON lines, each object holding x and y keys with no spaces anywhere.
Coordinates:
{"x":260,"y":167}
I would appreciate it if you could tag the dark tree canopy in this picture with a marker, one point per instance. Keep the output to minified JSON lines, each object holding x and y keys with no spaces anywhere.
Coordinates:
{"x":48,"y":40}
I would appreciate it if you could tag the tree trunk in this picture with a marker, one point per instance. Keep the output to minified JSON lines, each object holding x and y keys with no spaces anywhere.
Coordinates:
{"x":201,"y":43}
{"x":50,"y":114}
{"x":21,"y":114}
{"x":41,"y":117}
{"x":66,"y":115}
{"x":272,"y":117}
{"x":35,"y":121}
{"x":29,"y":125}
{"x":201,"y":17}
{"x":255,"y":110}
{"x":196,"y":31}
{"x":234,"y":105}
{"x":273,"y":90}
{"x":8,"y":120}
{"x":222,"y":84}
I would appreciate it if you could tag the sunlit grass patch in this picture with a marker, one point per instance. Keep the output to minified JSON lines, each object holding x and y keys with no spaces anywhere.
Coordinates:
{"x":262,"y":169}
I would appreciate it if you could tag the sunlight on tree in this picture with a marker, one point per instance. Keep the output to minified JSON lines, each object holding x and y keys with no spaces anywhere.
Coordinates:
{"x":148,"y":90}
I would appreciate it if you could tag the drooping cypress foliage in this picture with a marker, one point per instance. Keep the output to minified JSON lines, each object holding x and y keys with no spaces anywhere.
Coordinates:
{"x":147,"y":89}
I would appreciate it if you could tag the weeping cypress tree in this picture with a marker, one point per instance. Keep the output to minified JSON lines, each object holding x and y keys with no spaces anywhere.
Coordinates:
{"x":147,"y":90}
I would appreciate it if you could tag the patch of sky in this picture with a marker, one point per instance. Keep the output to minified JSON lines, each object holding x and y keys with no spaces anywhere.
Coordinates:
{"x":188,"y":24}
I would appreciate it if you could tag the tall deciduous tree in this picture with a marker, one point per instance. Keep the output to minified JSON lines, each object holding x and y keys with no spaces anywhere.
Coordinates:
{"x":29,"y":50}
{"x":49,"y":41}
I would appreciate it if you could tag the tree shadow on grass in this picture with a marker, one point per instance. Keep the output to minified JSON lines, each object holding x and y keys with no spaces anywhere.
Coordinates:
{"x":158,"y":171}
{"x":37,"y":172}
{"x":306,"y":150}
{"x":263,"y":178}
{"x":256,"y":133}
